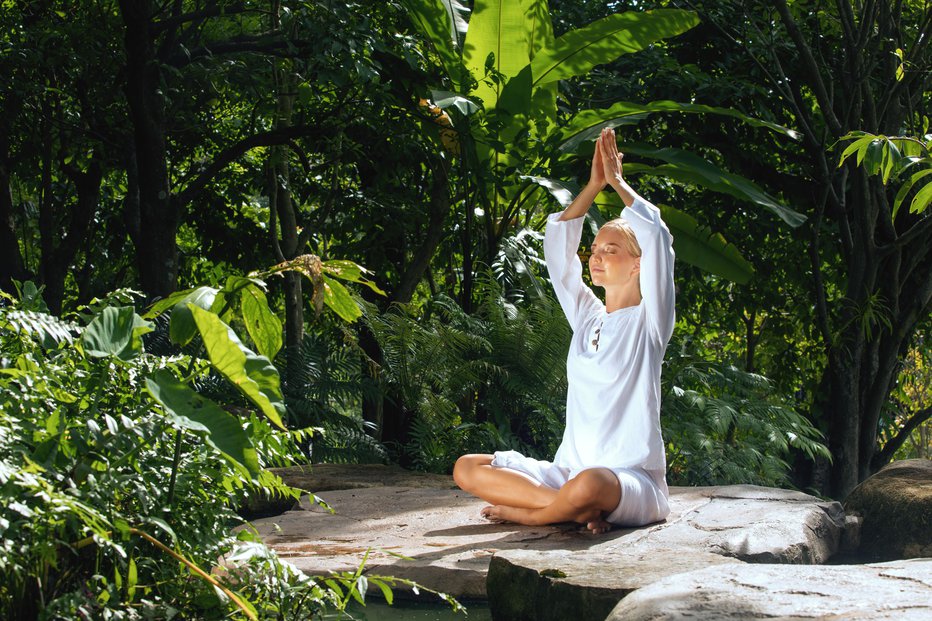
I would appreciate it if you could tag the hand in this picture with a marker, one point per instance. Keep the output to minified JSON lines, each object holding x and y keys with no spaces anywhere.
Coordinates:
{"x":597,"y":172}
{"x":611,"y":158}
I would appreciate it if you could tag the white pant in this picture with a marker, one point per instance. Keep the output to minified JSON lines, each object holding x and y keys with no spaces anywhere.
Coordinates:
{"x":643,"y":498}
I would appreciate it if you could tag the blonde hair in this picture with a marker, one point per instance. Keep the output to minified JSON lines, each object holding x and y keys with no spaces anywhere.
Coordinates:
{"x":631,"y":241}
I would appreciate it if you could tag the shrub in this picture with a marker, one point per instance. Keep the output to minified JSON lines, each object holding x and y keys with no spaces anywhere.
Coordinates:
{"x":119,"y":480}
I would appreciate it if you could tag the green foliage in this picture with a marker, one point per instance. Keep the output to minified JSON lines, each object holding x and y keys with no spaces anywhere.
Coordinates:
{"x":325,"y":392}
{"x":117,"y":505}
{"x":725,"y":426}
{"x":493,"y":380}
{"x":895,"y":157}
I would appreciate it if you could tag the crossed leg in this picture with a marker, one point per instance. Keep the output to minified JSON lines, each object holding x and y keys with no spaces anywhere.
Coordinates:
{"x":515,"y":497}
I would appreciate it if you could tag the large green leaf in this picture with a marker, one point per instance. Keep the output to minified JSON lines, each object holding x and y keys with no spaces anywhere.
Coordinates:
{"x":587,"y":124}
{"x":538,"y":26}
{"x":350,"y":271}
{"x":263,"y":326}
{"x":496,"y":36}
{"x":690,"y":168}
{"x":698,"y":245}
{"x":189,"y":410}
{"x":578,"y":51}
{"x":339,"y":300}
{"x":181,"y":328}
{"x":253,"y":375}
{"x":117,"y":331}
{"x":441,"y":22}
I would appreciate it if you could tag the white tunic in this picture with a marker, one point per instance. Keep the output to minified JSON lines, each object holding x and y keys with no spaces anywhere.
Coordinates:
{"x":613,"y":401}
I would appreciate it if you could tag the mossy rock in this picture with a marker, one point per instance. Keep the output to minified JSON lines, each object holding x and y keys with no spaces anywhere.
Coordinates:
{"x":896,"y":507}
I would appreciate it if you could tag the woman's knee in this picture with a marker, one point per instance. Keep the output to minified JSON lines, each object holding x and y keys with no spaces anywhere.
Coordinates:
{"x":595,"y":488}
{"x":464,"y":470}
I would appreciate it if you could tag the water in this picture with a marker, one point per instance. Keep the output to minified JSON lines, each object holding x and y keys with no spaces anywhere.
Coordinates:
{"x":378,"y":610}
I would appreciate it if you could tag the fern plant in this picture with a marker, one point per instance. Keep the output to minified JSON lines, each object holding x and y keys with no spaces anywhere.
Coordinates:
{"x":324,"y":392}
{"x":492,"y":380}
{"x":726,"y":426}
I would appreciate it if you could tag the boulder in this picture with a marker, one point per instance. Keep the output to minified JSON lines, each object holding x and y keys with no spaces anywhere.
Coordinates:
{"x":707,"y":526}
{"x":558,"y":585}
{"x":450,"y":546}
{"x":898,"y":591}
{"x":895,"y":507}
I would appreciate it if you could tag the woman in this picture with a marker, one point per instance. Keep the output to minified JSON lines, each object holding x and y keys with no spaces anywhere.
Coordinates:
{"x":610,"y":467}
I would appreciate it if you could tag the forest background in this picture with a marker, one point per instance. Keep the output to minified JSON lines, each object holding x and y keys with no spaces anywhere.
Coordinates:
{"x":151,"y":147}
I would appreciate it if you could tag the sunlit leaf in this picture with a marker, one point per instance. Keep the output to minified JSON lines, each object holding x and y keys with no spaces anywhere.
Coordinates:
{"x":190,"y":410}
{"x":181,"y":327}
{"x":253,"y":375}
{"x":116,"y":331}
{"x":339,"y":300}
{"x":263,"y":325}
{"x":578,"y":51}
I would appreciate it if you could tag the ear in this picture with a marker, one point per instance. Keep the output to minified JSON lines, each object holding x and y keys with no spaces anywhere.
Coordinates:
{"x":637,"y":266}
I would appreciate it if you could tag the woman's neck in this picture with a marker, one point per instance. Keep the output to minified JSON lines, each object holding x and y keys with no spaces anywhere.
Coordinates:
{"x":622,"y":297}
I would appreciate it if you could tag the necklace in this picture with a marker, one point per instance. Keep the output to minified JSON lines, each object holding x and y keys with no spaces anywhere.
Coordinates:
{"x":598,"y":335}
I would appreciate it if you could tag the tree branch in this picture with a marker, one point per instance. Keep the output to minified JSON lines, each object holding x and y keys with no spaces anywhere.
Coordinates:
{"x":883,"y":456}
{"x":174,"y":21}
{"x":235,"y":151}
{"x":265,"y":44}
{"x":818,"y":86}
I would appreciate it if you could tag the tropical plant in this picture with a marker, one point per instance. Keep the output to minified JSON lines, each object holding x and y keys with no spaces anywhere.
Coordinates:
{"x":120,"y":478}
{"x":895,"y":157}
{"x":492,"y":380}
{"x":726,"y":426}
{"x":504,"y":66}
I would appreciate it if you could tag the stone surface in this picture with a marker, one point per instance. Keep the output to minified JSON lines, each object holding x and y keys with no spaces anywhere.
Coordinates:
{"x":896,"y":510}
{"x":560,"y":585}
{"x":451,"y":546}
{"x":328,"y":477}
{"x":897,"y":591}
{"x":707,"y":526}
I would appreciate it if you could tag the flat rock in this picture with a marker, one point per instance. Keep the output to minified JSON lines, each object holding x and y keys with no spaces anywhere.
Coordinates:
{"x":326,"y":477}
{"x":895,"y":506}
{"x":897,"y":591}
{"x":559,"y":585}
{"x":451,"y":546}
{"x":707,"y":526}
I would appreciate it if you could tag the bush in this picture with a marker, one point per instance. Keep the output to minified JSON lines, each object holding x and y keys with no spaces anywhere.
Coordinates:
{"x":726,"y":426}
{"x":119,"y":480}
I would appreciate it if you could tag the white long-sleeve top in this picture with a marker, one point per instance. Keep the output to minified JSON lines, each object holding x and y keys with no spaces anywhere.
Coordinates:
{"x":613,"y":401}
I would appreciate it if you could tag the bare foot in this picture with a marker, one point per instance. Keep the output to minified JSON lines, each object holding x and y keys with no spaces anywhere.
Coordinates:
{"x":597,"y":527}
{"x":492,"y":513}
{"x":504,"y":513}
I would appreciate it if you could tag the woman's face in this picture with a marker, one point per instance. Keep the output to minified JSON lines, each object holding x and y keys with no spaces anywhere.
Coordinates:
{"x":610,"y":263}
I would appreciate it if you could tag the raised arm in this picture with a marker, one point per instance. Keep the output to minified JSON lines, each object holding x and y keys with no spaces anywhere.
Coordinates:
{"x":561,"y":244}
{"x":656,"y":276}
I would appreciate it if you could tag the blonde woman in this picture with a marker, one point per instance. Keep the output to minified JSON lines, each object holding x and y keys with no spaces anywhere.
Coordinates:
{"x":610,"y":467}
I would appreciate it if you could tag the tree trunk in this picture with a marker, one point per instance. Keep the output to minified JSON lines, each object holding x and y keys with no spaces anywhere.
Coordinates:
{"x":65,"y":240}
{"x":437,"y":217}
{"x":159,"y":216}
{"x":11,"y":260}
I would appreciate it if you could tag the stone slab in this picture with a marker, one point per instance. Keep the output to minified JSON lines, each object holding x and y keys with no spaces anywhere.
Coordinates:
{"x":559,"y":585}
{"x":451,"y":546}
{"x":897,"y":591}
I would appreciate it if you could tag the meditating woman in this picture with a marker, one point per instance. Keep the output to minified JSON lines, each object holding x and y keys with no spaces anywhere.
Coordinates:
{"x":610,"y":467}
